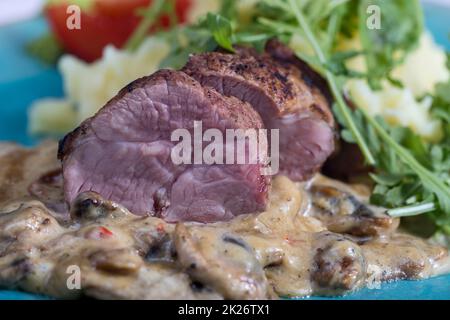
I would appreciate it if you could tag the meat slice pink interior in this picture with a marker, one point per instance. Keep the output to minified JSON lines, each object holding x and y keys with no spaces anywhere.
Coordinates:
{"x":124,"y":153}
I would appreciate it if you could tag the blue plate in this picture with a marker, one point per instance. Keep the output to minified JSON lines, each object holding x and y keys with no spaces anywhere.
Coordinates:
{"x":23,"y":80}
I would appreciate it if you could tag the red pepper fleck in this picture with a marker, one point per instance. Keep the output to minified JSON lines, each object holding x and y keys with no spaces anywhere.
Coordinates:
{"x":160,"y":228}
{"x":292,"y":241}
{"x":288,"y":240}
{"x":105,"y":232}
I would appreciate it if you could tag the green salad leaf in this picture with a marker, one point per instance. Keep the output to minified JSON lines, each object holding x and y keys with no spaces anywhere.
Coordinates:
{"x":150,"y":15}
{"x":221,"y":30}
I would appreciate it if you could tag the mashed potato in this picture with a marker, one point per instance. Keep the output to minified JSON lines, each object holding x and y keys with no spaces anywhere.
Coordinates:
{"x":89,"y":86}
{"x":52,"y":116}
{"x":420,"y":72}
{"x":423,"y":68}
{"x":398,"y":107}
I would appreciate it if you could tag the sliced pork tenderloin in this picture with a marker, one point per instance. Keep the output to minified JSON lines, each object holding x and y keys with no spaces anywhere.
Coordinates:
{"x":283,"y":94}
{"x":124,"y":153}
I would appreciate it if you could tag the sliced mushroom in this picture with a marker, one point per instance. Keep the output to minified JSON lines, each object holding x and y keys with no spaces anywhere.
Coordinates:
{"x":91,"y":206}
{"x":119,"y":261}
{"x":338,"y":265}
{"x":221,"y":260}
{"x":343,"y":212}
{"x":30,"y":224}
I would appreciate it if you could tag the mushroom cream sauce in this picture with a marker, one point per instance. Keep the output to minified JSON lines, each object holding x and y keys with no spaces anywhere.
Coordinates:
{"x":316,"y":238}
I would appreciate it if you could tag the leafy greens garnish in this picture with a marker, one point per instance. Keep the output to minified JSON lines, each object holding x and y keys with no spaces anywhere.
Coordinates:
{"x":431,"y":182}
{"x":221,"y":30}
{"x":411,"y":176}
{"x":149,"y":17}
{"x":402,"y":25}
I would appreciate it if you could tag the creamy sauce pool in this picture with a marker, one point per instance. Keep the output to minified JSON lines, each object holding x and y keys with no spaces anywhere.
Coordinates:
{"x":316,"y":238}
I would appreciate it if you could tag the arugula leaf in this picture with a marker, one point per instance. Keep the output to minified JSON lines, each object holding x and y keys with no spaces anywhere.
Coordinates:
{"x":341,"y":104}
{"x":221,"y":30}
{"x":441,"y":106}
{"x":433,"y":186}
{"x":186,"y":40}
{"x":337,"y":64}
{"x":409,"y":173}
{"x":401,"y":27}
{"x":150,"y":14}
{"x":211,"y":31}
{"x":412,"y":210}
{"x":228,"y":9}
